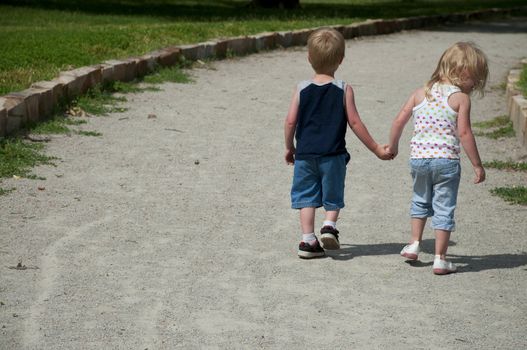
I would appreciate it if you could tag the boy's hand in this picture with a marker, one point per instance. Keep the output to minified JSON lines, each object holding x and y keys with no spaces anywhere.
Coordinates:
{"x":290,"y":156}
{"x":383,"y":152}
{"x":480,"y":174}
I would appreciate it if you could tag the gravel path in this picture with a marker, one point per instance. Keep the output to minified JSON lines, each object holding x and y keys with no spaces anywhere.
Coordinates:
{"x":175,"y":231}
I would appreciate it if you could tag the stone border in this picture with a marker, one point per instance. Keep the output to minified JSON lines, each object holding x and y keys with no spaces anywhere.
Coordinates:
{"x":517,"y":105}
{"x":36,"y":103}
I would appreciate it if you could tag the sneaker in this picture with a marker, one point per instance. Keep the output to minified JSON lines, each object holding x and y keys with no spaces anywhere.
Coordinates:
{"x":329,"y":238}
{"x":411,"y":251}
{"x":308,"y":251}
{"x":443,"y":267}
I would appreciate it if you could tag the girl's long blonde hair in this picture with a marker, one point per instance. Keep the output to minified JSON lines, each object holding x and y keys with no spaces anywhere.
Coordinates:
{"x":461,"y":58}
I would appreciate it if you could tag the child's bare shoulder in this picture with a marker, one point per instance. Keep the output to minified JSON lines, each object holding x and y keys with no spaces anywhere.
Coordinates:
{"x":419,"y":96}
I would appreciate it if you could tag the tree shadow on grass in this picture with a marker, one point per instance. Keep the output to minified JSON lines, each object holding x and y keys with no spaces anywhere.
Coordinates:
{"x":465,"y":263}
{"x":213,"y":10}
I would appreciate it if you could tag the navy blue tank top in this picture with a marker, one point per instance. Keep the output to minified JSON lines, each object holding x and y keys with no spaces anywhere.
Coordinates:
{"x":322,"y":122}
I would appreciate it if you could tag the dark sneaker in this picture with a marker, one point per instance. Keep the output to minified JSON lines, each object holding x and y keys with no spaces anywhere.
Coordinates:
{"x":329,"y":238}
{"x":308,"y":251}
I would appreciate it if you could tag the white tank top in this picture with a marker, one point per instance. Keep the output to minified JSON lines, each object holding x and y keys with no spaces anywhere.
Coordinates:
{"x":435,"y":126}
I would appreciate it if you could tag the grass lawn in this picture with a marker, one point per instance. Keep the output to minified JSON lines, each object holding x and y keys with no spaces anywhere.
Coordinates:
{"x":522,"y":84}
{"x":42,"y":37}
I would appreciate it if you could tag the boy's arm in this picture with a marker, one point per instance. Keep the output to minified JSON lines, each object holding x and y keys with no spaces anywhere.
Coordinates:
{"x":289,"y":129}
{"x":360,"y":129}
{"x":467,"y":137}
{"x":399,"y":123}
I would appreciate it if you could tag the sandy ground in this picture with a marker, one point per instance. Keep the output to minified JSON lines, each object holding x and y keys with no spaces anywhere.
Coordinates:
{"x":176,"y":232}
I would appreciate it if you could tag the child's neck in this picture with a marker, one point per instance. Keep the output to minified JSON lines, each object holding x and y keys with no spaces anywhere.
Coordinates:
{"x":323,"y":78}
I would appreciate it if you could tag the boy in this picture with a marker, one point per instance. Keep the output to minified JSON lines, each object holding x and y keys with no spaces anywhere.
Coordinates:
{"x":317,"y":118}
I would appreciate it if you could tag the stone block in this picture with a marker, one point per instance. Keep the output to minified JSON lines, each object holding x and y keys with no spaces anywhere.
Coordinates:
{"x":152,"y":62}
{"x":265,"y":41}
{"x":106,"y":72}
{"x":113,"y":70}
{"x":169,"y":56}
{"x":523,"y":124}
{"x":198,"y":51}
{"x":84,"y":78}
{"x":141,"y":68}
{"x":351,"y":31}
{"x":367,"y":28}
{"x":300,"y":36}
{"x":130,"y":69}
{"x":241,"y":45}
{"x":518,"y":104}
{"x":415,"y":22}
{"x":386,"y":26}
{"x":285,"y":39}
{"x":3,"y":118}
{"x":53,"y":94}
{"x":23,"y":105}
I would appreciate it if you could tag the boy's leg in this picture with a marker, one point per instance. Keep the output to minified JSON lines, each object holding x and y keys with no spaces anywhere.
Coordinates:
{"x":309,"y":247}
{"x":333,"y":170}
{"x":307,"y":220}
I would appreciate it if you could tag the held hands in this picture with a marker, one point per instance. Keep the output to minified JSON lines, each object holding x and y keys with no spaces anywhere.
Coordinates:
{"x":480,"y":174}
{"x":384,"y":152}
{"x":290,"y":156}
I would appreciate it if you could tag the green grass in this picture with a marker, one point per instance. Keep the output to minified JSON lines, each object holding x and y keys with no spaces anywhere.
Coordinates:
{"x":502,"y":126}
{"x":506,"y":165}
{"x":513,"y":195}
{"x":17,"y":157}
{"x":169,"y":74}
{"x":89,"y":133}
{"x":493,"y":123}
{"x":522,"y":83}
{"x":43,"y":37}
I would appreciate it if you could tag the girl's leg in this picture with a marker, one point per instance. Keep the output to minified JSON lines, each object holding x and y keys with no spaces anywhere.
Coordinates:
{"x":442,"y":238}
{"x":307,"y":220}
{"x":418,"y":225}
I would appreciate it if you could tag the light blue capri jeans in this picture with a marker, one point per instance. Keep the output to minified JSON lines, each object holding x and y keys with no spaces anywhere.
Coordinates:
{"x":436,"y":184}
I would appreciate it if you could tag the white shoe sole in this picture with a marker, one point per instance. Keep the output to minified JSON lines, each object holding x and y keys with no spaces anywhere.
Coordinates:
{"x":329,"y":242}
{"x":309,"y":255}
{"x":409,"y":256}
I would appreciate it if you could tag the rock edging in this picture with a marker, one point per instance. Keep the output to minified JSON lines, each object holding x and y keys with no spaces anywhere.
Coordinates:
{"x":517,"y":105}
{"x":36,"y":103}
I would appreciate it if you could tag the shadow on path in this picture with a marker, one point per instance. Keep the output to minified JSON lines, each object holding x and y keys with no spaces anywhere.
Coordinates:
{"x":465,"y":263}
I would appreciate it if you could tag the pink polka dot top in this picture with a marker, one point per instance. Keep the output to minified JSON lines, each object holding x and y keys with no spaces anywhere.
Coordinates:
{"x":435,"y":126}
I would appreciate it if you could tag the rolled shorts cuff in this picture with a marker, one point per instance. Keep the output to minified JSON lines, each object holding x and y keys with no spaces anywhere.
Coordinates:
{"x":444,"y":227}
{"x":334,"y":207}
{"x":420,"y":216}
{"x":300,"y":205}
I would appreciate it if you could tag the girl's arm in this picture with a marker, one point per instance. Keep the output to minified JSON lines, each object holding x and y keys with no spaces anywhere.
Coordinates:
{"x":467,"y":137}
{"x":399,"y":123}
{"x":289,"y":129}
{"x":360,"y":129}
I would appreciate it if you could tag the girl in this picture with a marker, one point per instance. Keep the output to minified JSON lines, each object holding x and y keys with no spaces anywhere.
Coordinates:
{"x":441,"y":115}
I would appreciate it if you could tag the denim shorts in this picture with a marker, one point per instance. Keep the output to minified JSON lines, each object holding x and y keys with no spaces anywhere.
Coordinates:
{"x":436,"y":183}
{"x":319,"y":182}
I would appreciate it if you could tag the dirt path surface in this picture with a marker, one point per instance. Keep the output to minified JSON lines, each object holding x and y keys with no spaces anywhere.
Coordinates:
{"x":175,"y":231}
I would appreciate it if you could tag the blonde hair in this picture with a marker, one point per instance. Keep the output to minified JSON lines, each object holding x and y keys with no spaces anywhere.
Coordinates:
{"x":461,"y":58}
{"x":326,"y":48}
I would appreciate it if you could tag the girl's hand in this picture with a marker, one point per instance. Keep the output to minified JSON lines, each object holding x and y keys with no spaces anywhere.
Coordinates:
{"x":383,"y":152}
{"x":290,"y":156}
{"x":394,"y":150}
{"x":480,"y":174}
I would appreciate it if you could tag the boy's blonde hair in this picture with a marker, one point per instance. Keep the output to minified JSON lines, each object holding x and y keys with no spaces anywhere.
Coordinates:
{"x":462,"y":57}
{"x":326,"y":48}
